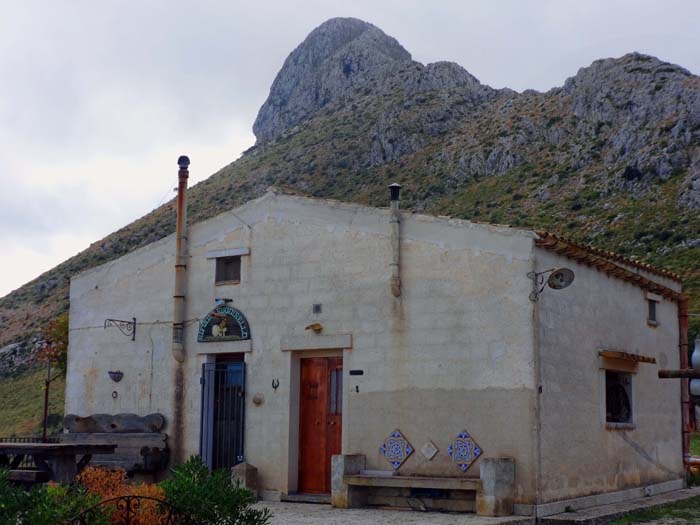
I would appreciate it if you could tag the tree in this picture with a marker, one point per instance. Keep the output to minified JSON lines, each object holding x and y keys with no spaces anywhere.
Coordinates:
{"x":55,"y":347}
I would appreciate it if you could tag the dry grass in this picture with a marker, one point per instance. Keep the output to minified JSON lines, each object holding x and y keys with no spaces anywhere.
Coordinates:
{"x":22,"y":404}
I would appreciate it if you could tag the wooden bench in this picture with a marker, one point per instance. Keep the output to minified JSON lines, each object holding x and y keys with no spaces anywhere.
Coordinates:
{"x":137,"y":451}
{"x":141,"y":444}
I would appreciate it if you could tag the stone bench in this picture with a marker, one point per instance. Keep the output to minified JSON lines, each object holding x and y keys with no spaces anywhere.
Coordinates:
{"x":493,"y":491}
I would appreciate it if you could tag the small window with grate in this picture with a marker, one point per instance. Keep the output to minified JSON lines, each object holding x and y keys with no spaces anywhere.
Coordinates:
{"x":618,"y":398}
{"x":228,"y":270}
{"x":651,"y":312}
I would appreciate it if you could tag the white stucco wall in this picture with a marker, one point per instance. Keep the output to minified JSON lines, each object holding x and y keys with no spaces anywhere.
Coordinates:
{"x":136,"y":285}
{"x":579,"y":455}
{"x":454,"y":352}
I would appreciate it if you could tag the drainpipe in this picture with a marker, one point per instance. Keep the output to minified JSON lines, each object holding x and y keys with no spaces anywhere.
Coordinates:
{"x":395,"y":190}
{"x":685,"y":397}
{"x":178,"y":348}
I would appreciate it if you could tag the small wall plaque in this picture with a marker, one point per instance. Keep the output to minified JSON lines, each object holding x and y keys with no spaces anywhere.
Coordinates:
{"x":223,"y":323}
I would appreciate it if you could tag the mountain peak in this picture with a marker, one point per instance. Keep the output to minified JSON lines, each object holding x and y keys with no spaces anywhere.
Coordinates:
{"x":338,"y":57}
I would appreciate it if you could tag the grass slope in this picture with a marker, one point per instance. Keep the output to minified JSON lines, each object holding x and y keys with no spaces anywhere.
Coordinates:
{"x":679,"y":513}
{"x":22,"y":406}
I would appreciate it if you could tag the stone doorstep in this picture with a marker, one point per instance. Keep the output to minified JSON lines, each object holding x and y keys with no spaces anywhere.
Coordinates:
{"x":322,"y":499}
{"x":605,"y":513}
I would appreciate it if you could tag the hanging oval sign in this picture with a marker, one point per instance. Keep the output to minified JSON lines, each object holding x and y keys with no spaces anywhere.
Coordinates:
{"x":223,"y":323}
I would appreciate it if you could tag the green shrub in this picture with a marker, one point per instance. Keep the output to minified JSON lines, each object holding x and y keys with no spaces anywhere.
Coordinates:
{"x":210,"y":498}
{"x":44,"y":504}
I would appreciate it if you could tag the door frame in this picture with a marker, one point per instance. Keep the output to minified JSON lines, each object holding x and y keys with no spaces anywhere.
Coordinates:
{"x":294,"y":411}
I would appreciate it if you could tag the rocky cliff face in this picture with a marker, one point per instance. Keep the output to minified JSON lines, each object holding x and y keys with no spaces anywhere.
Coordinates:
{"x":343,"y":58}
{"x":612,"y":157}
{"x":649,"y":111}
{"x":637,"y":115}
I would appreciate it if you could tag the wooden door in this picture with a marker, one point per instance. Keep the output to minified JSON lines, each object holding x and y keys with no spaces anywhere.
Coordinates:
{"x":320,"y":421}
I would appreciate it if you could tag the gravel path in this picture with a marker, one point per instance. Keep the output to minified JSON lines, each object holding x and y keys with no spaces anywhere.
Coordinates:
{"x":310,"y":514}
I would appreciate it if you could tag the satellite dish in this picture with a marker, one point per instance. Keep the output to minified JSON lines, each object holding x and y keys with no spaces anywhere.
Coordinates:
{"x":560,"y":278}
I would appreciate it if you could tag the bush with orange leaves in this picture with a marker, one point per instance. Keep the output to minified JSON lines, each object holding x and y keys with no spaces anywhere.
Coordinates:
{"x":108,"y":484}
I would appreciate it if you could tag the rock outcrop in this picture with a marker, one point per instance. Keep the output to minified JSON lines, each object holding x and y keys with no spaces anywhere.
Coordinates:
{"x":343,"y":58}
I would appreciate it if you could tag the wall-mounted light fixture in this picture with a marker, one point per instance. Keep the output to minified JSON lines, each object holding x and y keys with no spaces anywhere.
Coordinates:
{"x":115,"y":375}
{"x":316,"y":327}
{"x":559,"y":278}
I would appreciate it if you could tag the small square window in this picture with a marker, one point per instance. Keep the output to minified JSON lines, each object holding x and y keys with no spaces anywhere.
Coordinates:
{"x":618,"y":397}
{"x":651,"y":315}
{"x":228,"y":270}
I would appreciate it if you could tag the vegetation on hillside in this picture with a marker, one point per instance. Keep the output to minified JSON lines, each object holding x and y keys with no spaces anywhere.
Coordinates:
{"x":610,"y":158}
{"x":328,"y":158}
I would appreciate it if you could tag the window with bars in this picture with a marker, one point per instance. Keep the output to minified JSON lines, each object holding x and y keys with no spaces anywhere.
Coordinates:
{"x":228,"y":270}
{"x":618,"y":397}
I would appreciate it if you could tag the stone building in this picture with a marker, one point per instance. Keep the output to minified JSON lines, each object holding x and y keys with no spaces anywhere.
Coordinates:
{"x":405,"y":344}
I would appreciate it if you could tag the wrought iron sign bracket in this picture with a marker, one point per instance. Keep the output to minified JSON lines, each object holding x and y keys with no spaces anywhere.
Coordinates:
{"x":128,"y":328}
{"x":539,"y":281}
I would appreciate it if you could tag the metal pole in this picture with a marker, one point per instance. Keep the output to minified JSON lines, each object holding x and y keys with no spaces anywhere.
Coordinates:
{"x":46,"y":401}
{"x":395,"y":283}
{"x":685,"y":394}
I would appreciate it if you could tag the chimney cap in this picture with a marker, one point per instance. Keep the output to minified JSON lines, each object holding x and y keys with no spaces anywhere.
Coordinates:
{"x":183,"y":162}
{"x":395,"y":189}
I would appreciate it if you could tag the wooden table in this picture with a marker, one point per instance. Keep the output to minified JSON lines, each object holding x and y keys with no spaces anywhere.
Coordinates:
{"x":58,"y":459}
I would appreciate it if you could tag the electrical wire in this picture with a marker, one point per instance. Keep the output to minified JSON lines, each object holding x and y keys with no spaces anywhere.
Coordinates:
{"x":138,"y":323}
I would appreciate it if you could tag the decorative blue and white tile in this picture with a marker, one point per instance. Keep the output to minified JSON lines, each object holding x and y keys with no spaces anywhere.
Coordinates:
{"x":396,"y":449}
{"x":464,"y":450}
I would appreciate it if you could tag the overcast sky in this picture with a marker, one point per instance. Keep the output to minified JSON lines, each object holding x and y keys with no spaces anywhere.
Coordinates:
{"x":98,"y":98}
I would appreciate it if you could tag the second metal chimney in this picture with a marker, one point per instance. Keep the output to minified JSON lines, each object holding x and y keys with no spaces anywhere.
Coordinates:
{"x":183,"y":174}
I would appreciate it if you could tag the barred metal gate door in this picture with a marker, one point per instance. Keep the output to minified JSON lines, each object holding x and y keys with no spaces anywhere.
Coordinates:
{"x":223,"y":404}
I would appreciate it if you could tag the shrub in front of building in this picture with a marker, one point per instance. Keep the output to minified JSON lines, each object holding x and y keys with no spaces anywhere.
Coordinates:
{"x":210,"y":498}
{"x":41,"y":505}
{"x":197,"y":496}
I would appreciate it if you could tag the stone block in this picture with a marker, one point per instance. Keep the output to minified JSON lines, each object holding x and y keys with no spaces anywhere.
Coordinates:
{"x":342,"y":495}
{"x":497,"y":487}
{"x":247,"y":475}
{"x":271,"y":495}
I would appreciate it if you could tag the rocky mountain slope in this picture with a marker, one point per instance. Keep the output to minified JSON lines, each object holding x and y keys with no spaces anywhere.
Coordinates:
{"x":611,"y":158}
